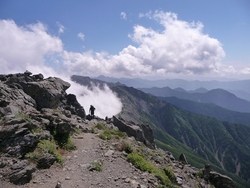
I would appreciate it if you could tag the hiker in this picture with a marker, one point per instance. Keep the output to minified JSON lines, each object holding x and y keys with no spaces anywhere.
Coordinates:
{"x":92,"y":110}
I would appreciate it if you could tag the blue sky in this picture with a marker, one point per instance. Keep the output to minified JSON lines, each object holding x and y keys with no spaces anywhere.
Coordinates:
{"x":124,"y":38}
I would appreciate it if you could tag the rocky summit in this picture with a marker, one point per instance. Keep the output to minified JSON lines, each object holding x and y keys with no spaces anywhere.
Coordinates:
{"x":47,"y":140}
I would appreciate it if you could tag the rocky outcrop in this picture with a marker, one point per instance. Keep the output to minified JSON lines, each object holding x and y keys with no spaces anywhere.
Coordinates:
{"x":216,"y":179}
{"x":33,"y":109}
{"x":183,"y":159}
{"x":220,"y":181}
{"x":141,"y":133}
{"x":17,"y":171}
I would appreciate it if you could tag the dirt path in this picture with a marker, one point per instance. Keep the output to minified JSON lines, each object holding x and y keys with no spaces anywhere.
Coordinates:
{"x":116,"y":171}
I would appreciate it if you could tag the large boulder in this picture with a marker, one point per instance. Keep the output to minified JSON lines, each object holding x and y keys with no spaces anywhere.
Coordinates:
{"x":16,"y":171}
{"x":141,"y":133}
{"x":13,"y":101}
{"x":47,"y":93}
{"x":22,"y":173}
{"x":220,"y":181}
{"x":24,"y":92}
{"x":74,"y":107}
{"x":46,"y":161}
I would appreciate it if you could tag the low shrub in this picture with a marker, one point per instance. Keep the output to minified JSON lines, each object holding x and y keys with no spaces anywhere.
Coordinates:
{"x":43,"y":147}
{"x":124,"y":146}
{"x":160,"y":175}
{"x":65,"y":142}
{"x":100,"y":126}
{"x":106,"y":135}
{"x":139,"y":162}
{"x":164,"y":176}
{"x":169,"y":172}
{"x":118,"y":134}
{"x":96,"y":166}
{"x":50,"y":147}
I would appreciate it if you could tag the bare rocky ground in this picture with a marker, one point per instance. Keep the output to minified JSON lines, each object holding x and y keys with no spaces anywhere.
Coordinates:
{"x":77,"y":170}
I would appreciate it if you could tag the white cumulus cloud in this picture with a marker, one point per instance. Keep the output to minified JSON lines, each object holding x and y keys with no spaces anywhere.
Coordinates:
{"x":61,"y":28}
{"x":180,"y":48}
{"x":81,"y":36}
{"x":123,"y":15}
{"x":26,"y":47}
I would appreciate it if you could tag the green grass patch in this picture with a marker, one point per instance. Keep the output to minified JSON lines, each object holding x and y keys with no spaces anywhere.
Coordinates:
{"x":43,"y":147}
{"x":140,"y":162}
{"x":170,"y":174}
{"x":117,"y":134}
{"x":124,"y":146}
{"x":64,"y":141}
{"x":96,"y":166}
{"x":160,"y":175}
{"x":166,"y":176}
{"x":100,"y":126}
{"x":108,"y":134}
{"x":50,"y":147}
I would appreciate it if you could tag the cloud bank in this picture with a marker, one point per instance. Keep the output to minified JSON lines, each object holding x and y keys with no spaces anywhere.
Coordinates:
{"x":104,"y":100}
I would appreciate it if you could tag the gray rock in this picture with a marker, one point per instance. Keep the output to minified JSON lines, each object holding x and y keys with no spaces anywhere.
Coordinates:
{"x":142,"y":133}
{"x":221,"y":181}
{"x":46,"y":161}
{"x":47,"y":93}
{"x":183,"y":159}
{"x":206,"y":172}
{"x":23,"y":176}
{"x":58,"y":185}
{"x":109,"y":153}
{"x":33,"y":108}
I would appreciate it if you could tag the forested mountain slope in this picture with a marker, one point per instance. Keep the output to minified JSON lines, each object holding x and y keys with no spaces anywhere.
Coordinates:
{"x":210,"y":109}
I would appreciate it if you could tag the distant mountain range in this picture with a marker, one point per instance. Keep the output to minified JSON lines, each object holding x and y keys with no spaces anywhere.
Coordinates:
{"x":240,"y":87}
{"x":219,"y":97}
{"x":226,"y":146}
{"x":210,"y":110}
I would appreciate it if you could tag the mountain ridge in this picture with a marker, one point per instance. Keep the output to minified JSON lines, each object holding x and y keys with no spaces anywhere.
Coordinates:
{"x":210,"y":110}
{"x":40,"y":122}
{"x":238,"y":87}
{"x":217,"y":96}
{"x":187,"y":128}
{"x":47,"y":140}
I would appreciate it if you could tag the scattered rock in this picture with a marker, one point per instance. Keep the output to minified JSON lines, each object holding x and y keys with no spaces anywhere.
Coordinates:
{"x":58,"y":185}
{"x":67,"y":178}
{"x":109,"y":153}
